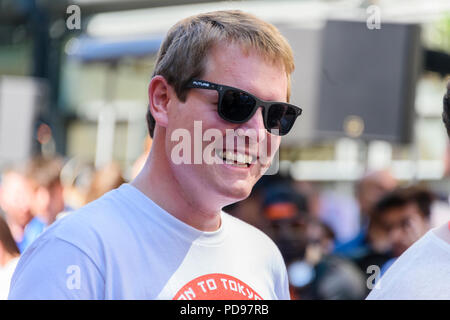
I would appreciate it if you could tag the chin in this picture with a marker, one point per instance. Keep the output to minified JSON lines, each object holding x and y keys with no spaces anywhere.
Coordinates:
{"x":237,"y":191}
{"x":399,"y":251}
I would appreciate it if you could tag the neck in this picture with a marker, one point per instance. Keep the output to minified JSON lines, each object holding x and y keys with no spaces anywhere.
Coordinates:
{"x":157,"y":181}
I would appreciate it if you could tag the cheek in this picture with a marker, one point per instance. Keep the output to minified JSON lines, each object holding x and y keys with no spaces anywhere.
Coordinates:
{"x":275,"y":143}
{"x":179,"y":126}
{"x":194,"y":113}
{"x":176,"y":115}
{"x":272,"y":143}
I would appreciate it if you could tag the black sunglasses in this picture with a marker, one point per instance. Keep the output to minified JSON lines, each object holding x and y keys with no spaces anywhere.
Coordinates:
{"x":237,"y":106}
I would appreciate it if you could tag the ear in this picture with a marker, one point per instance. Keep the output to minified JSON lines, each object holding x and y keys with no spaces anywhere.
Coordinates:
{"x":159,"y":95}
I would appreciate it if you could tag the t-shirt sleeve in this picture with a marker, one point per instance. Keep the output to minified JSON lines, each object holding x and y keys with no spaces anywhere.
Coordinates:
{"x":56,"y":269}
{"x":281,"y":277}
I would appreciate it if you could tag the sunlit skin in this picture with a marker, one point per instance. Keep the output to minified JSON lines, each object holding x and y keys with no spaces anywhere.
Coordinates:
{"x":15,"y":199}
{"x":195,"y":194}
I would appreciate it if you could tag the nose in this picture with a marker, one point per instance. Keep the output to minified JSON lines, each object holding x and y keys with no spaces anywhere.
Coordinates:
{"x":396,"y":235}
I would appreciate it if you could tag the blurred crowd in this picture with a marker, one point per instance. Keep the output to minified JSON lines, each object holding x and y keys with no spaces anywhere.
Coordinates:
{"x":34,"y":194}
{"x":334,"y":246}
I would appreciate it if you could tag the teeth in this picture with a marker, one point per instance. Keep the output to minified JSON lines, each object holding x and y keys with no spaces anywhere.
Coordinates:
{"x":231,"y":157}
{"x":240,"y":158}
{"x":240,"y":165}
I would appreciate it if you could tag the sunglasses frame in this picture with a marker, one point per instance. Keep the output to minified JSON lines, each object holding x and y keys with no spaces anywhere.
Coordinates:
{"x":221,"y":89}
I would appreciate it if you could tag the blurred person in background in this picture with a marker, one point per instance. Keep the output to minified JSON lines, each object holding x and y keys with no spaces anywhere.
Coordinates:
{"x":368,"y":190}
{"x":9,"y":256}
{"x":306,"y":244}
{"x":16,"y":196}
{"x":321,"y":275}
{"x":403,"y":217}
{"x":105,"y":179}
{"x":43,"y":176}
{"x":422,"y":271}
{"x":398,"y":219}
{"x":285,"y":212}
{"x":48,"y":199}
{"x":339,"y":212}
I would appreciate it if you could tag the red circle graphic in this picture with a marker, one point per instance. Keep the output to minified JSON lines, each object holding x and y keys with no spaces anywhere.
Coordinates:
{"x":216,"y":286}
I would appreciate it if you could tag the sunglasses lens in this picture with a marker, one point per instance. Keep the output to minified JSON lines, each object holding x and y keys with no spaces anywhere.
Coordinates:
{"x":281,"y":117}
{"x":236,"y":106}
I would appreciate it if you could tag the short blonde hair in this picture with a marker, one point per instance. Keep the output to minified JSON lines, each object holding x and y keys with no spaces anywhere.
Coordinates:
{"x":183,"y":51}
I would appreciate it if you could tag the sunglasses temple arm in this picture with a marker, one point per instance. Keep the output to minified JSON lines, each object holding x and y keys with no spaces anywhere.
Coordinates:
{"x":211,"y":86}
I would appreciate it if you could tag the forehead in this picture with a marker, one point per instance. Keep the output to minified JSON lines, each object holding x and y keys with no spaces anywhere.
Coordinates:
{"x":247,"y":69}
{"x":380,"y":180}
{"x":397,"y":213}
{"x":12,"y":177}
{"x":13,"y":182}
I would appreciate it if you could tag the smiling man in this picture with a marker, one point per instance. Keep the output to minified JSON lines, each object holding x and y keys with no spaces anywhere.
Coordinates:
{"x":225,"y":75}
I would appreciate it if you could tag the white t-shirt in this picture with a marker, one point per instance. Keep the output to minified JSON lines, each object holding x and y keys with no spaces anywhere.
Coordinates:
{"x":421,"y":273}
{"x":6,"y":273}
{"x":124,"y":246}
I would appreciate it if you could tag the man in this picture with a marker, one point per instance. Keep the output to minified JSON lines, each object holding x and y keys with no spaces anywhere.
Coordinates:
{"x":321,"y":275}
{"x":48,"y":198}
{"x":403,"y":216}
{"x":371,"y":188}
{"x":422,"y":271}
{"x":42,"y":175}
{"x":32,"y":197}
{"x":164,"y":236}
{"x":16,"y":196}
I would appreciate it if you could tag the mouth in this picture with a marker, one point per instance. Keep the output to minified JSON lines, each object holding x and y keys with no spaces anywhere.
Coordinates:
{"x":235,"y":158}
